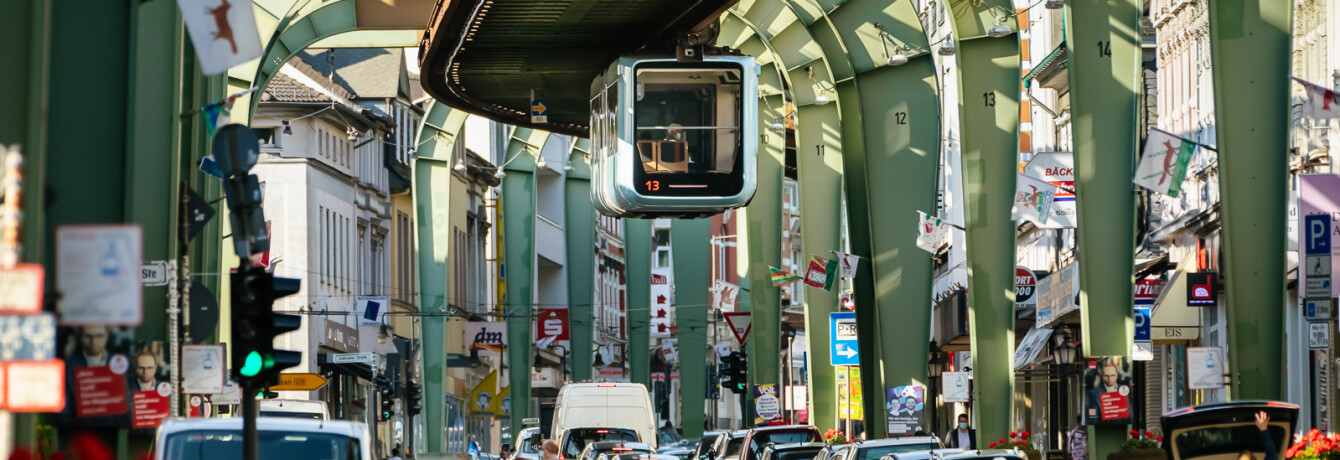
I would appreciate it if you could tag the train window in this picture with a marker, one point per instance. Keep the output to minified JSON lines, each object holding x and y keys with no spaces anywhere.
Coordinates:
{"x":611,"y":119}
{"x":597,"y":125}
{"x":687,"y":120}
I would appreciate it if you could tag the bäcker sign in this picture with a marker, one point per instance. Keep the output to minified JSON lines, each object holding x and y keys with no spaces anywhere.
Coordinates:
{"x":1057,"y":168}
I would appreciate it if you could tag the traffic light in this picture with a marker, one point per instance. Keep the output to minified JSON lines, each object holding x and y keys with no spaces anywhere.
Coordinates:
{"x":265,"y":393}
{"x":736,"y":372}
{"x":256,"y":363}
{"x":387,"y":397}
{"x":414,"y":397}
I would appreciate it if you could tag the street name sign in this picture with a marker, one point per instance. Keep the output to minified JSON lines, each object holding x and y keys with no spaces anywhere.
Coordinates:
{"x":342,"y":358}
{"x":154,"y":273}
{"x":303,"y":381}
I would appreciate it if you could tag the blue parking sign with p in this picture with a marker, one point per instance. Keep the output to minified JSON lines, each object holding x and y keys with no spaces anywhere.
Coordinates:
{"x":1317,"y":234}
{"x":1142,"y":324}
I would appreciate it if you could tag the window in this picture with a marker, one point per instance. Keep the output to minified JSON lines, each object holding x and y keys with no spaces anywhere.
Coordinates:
{"x":681,"y":126}
{"x":269,"y":141}
{"x":663,"y":258}
{"x":661,"y":237}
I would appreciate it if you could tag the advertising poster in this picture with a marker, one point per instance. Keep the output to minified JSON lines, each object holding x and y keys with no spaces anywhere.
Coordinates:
{"x":203,"y":369}
{"x":857,"y":401}
{"x":955,"y":386}
{"x":767,"y":406}
{"x":904,"y":406}
{"x":1107,"y":390}
{"x":101,"y":390}
{"x":99,"y":274}
{"x":150,"y":407}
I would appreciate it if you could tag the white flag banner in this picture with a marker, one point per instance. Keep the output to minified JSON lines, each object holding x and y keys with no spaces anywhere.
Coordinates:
{"x":931,"y":232}
{"x":848,"y":262}
{"x":723,"y":296}
{"x":223,"y":32}
{"x":1322,"y":103}
{"x":1163,"y":164}
{"x":1032,"y":199}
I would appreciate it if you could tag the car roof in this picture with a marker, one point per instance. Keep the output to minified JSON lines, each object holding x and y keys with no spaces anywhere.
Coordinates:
{"x":351,"y":429}
{"x":898,"y":441}
{"x":921,"y":454}
{"x":640,"y":456}
{"x":992,"y":453}
{"x":783,"y":428}
{"x":606,"y":445}
{"x":796,"y":445}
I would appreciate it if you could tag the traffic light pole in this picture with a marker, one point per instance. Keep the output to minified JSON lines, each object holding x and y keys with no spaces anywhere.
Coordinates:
{"x":250,"y":438}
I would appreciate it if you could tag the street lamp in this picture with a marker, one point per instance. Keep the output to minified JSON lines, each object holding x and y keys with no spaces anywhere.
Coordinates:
{"x":1063,"y":348}
{"x":936,"y":363}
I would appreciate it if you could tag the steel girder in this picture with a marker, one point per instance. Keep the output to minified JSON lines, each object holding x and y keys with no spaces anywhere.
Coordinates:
{"x":691,"y":240}
{"x":579,"y":230}
{"x":988,"y":98}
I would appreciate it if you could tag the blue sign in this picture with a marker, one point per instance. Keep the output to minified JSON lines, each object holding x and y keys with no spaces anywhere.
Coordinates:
{"x":1317,"y":234}
{"x":538,"y":108}
{"x":1142,"y":320}
{"x":842,"y":336}
{"x":28,"y":338}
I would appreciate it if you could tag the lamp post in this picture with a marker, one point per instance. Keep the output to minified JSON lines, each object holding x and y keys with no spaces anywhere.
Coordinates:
{"x":1063,"y":347}
{"x":935,"y":367}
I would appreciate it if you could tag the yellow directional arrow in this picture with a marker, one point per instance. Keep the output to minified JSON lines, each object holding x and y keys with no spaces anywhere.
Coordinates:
{"x":537,"y":107}
{"x":305,"y":381}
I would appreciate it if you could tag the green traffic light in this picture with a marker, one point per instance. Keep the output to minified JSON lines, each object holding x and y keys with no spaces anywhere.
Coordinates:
{"x":252,"y":366}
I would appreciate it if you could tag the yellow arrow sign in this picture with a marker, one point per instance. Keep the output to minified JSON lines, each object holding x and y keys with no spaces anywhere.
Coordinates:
{"x":305,"y":381}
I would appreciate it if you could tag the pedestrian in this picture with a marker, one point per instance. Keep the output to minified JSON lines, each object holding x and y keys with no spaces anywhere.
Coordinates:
{"x":505,"y":452}
{"x":549,"y":450}
{"x":395,"y":454}
{"x":1267,"y":443}
{"x":1078,"y":441}
{"x":962,"y":436}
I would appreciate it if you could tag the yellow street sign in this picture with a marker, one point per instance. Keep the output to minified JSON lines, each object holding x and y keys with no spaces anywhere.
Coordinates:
{"x":305,"y":381}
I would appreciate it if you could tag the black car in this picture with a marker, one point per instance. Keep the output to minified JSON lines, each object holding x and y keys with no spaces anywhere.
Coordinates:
{"x":705,"y":443}
{"x":1226,"y":429}
{"x":792,"y":451}
{"x":598,"y":449}
{"x":878,"y":448}
{"x":727,"y":446}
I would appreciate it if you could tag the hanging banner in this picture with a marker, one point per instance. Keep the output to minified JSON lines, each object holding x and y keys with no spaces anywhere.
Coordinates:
{"x":821,"y":273}
{"x":905,"y":406}
{"x":1107,"y":390}
{"x":482,"y":396}
{"x":931,"y":232}
{"x":487,"y":338}
{"x":223,"y":33}
{"x":662,"y":303}
{"x":767,"y":406}
{"x":370,"y":310}
{"x":954,"y":387}
{"x":502,"y":404}
{"x":1033,"y":200}
{"x":848,"y":262}
{"x":1056,"y":168}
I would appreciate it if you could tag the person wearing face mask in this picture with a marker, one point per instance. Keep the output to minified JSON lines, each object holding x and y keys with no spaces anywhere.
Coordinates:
{"x":962,"y":437}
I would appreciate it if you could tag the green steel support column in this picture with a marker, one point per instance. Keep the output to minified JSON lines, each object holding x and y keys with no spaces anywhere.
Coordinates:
{"x":25,"y":26}
{"x":637,"y":257}
{"x":1104,"y":89}
{"x":988,"y":79}
{"x":518,"y":210}
{"x":1250,"y":42}
{"x":759,"y":225}
{"x":580,"y":232}
{"x":432,"y":204}
{"x":692,"y":251}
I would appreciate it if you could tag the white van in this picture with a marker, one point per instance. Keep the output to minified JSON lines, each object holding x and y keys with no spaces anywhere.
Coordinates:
{"x":588,"y":412}
{"x":292,"y":438}
{"x":295,"y":408}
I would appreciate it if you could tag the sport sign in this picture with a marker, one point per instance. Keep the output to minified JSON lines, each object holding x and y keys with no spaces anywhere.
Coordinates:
{"x":1025,"y":284}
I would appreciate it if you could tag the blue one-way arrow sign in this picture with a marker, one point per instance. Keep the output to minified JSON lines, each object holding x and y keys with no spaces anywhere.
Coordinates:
{"x":539,"y":111}
{"x":842,"y":336}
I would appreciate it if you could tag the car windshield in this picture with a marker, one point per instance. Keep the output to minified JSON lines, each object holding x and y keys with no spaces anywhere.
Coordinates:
{"x":798,"y":454}
{"x":576,"y":439}
{"x":792,"y":437}
{"x":303,"y":415}
{"x":1218,"y":440}
{"x":733,"y":446}
{"x":877,"y":452}
{"x":530,"y":444}
{"x":227,"y":444}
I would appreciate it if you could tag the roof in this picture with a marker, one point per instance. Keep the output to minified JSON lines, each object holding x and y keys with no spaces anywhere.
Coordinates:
{"x":285,"y":424}
{"x":364,"y":72}
{"x":1046,"y":70}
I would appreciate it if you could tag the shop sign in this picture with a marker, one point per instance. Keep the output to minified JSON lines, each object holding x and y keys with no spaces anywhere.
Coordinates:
{"x":1058,"y":168}
{"x":551,"y":322}
{"x":488,"y":338}
{"x":1056,"y":294}
{"x":1202,"y":289}
{"x":1147,"y":291}
{"x":1025,"y":285}
{"x":340,"y":337}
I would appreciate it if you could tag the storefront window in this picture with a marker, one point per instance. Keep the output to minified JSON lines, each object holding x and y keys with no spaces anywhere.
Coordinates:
{"x":455,"y":426}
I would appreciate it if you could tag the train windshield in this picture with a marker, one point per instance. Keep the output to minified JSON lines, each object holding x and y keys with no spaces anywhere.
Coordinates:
{"x":688,"y":121}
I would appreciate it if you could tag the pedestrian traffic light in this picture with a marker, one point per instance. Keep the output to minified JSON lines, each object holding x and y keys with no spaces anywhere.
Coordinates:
{"x":414,"y":397}
{"x":256,"y":363}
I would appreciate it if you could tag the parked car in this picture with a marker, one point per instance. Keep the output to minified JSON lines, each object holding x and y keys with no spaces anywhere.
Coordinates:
{"x":991,"y":454}
{"x":280,"y":437}
{"x":637,"y":456}
{"x":1226,"y":429}
{"x":527,"y":444}
{"x":727,"y":446}
{"x":576,"y":440}
{"x":624,"y":406}
{"x":755,"y":439}
{"x":921,"y":454}
{"x":605,"y":449}
{"x":793,"y":451}
{"x":705,"y":443}
{"x":878,"y":448}
{"x":680,"y":452}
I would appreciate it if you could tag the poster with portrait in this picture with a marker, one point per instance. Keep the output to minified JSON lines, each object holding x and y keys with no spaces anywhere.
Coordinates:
{"x":904,"y":406}
{"x":1107,"y":390}
{"x":112,"y":380}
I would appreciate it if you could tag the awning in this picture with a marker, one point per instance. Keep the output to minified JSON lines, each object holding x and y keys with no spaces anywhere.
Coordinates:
{"x":1172,"y":320}
{"x":1051,"y":71}
{"x":1030,"y":347}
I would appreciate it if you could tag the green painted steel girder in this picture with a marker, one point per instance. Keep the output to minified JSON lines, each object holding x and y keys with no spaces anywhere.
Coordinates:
{"x":819,"y":160}
{"x":579,"y":230}
{"x":1250,"y":43}
{"x":692,"y":251}
{"x":432,"y":203}
{"x":1104,"y":91}
{"x":518,"y":211}
{"x":637,"y":257}
{"x":988,"y":98}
